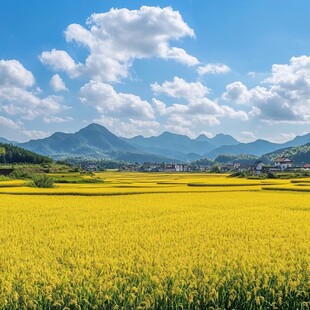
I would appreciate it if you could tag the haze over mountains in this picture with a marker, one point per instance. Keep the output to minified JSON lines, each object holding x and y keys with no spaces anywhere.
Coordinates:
{"x":95,"y":141}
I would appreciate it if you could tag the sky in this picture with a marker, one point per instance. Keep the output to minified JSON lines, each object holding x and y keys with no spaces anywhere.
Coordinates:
{"x":144,"y":67}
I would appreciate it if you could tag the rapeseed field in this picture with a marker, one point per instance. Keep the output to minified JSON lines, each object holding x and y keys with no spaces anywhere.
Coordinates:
{"x":153,"y":241}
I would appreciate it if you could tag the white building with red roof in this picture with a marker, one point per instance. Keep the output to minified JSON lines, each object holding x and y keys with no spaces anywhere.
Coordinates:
{"x":306,"y":166}
{"x":283,"y":163}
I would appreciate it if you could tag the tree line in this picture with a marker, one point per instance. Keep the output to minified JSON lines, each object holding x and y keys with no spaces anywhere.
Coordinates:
{"x":10,"y":154}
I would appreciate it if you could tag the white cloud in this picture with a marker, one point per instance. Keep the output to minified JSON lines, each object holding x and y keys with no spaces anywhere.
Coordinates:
{"x":213,"y":69}
{"x":179,"y":129}
{"x":57,"y":119}
{"x":179,"y":88}
{"x":35,"y":134}
{"x":209,"y":120}
{"x":108,"y":102}
{"x":57,"y":83}
{"x":16,"y":97}
{"x":195,"y":112}
{"x":198,"y":107}
{"x":206,"y":133}
{"x":12,"y":73}
{"x":236,"y":92}
{"x":285,"y":96}
{"x":179,"y":124}
{"x":159,"y":106}
{"x":247,"y":136}
{"x":130,"y":127}
{"x":80,"y":35}
{"x":61,"y":61}
{"x":295,"y":74}
{"x":180,"y":55}
{"x":282,"y":138}
{"x":8,"y":123}
{"x":116,"y":38}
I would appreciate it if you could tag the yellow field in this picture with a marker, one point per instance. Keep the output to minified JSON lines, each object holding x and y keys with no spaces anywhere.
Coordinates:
{"x":127,"y":183}
{"x":186,"y":241}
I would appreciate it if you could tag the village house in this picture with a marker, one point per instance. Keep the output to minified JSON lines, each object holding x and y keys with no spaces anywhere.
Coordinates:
{"x":152,"y":167}
{"x":237,"y":166}
{"x":226,"y":167}
{"x":204,"y":168}
{"x":165,"y":167}
{"x":182,"y":168}
{"x":306,"y":167}
{"x":257,"y":167}
{"x":90,"y":167}
{"x":169,"y":168}
{"x":283,"y":163}
{"x":240,"y":167}
{"x":131,"y":167}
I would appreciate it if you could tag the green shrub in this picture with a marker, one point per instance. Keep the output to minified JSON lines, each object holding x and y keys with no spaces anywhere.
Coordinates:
{"x":239,"y":174}
{"x":43,"y":181}
{"x":271,"y":175}
{"x":21,"y":174}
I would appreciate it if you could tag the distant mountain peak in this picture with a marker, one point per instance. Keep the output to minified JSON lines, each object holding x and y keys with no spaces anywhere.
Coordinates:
{"x":170,"y":134}
{"x":202,"y":137}
{"x":223,"y":139}
{"x":94,"y":126}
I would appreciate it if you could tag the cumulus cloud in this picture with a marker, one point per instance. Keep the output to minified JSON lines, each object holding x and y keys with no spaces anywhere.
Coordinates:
{"x":179,"y":129}
{"x":206,"y":133}
{"x":180,"y":55}
{"x":35,"y":134}
{"x":282,"y":138}
{"x":57,"y":119}
{"x":282,"y":97}
{"x":16,"y":101}
{"x":247,"y":136}
{"x":160,"y":107}
{"x":8,"y":123}
{"x":12,"y":73}
{"x":57,"y":83}
{"x":125,"y":114}
{"x":193,"y":109}
{"x":179,"y":88}
{"x":17,"y":97}
{"x":131,"y":127}
{"x":116,"y":38}
{"x":213,"y":69}
{"x":236,"y":92}
{"x":107,"y":101}
{"x":61,"y":61}
{"x":198,"y":107}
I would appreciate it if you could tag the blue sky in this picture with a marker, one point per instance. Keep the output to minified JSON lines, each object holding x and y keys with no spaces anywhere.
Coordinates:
{"x":189,"y":67}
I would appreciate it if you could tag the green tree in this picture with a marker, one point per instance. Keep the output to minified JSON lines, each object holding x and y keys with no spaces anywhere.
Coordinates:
{"x":2,"y":154}
{"x":216,"y":168}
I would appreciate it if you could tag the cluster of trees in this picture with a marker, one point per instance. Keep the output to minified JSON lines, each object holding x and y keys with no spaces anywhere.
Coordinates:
{"x":10,"y":154}
{"x":241,"y":158}
{"x":202,"y":162}
{"x":102,"y":164}
{"x":225,"y":159}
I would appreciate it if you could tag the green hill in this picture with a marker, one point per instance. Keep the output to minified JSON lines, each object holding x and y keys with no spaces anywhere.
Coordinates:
{"x":299,"y":154}
{"x":10,"y":154}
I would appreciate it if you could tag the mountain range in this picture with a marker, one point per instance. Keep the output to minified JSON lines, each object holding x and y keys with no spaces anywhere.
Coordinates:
{"x":258,"y":147}
{"x":95,"y":141}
